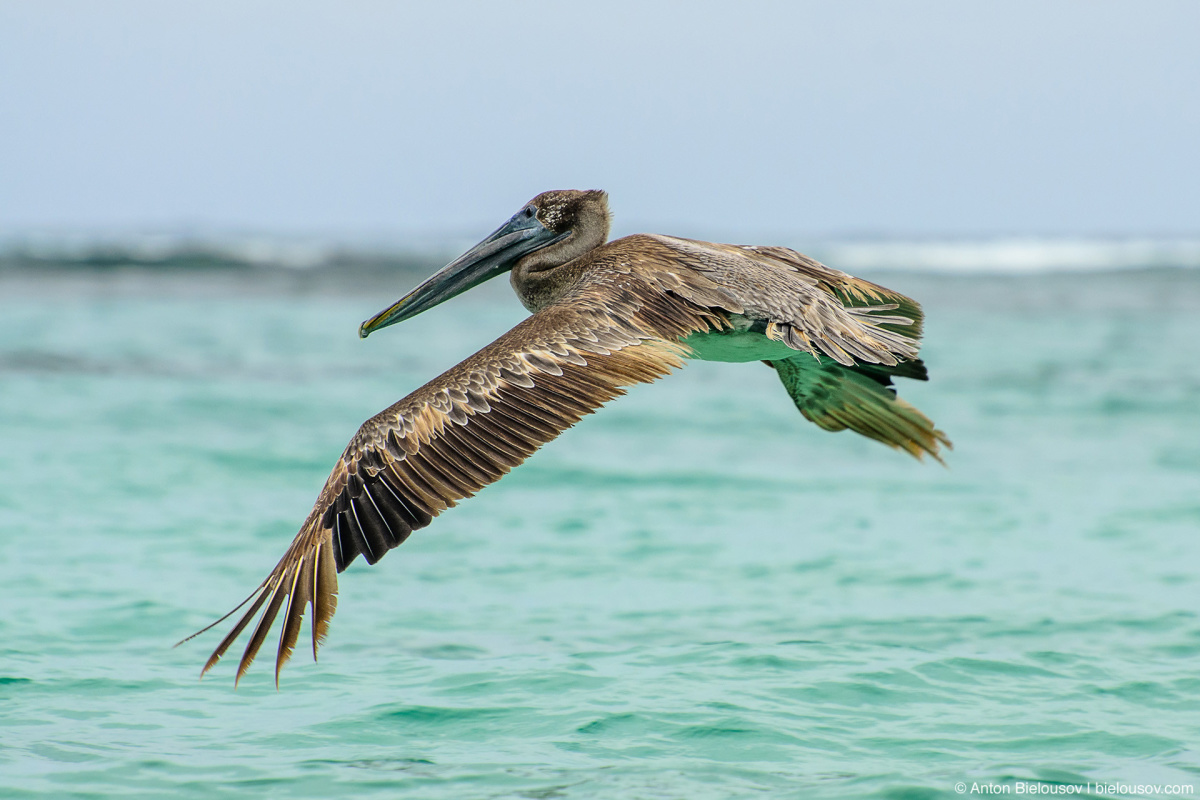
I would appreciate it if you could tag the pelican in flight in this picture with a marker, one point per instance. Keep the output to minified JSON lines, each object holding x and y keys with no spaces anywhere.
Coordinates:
{"x":605,"y":315}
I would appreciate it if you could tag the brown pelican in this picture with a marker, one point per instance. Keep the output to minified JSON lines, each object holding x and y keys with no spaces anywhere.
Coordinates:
{"x":605,"y":316}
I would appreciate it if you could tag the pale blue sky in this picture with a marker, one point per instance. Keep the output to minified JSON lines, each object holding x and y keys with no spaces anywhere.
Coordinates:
{"x":722,"y":120}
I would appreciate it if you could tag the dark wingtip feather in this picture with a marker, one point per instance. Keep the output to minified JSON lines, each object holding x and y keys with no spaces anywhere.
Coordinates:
{"x":237,"y":629}
{"x":298,"y":597}
{"x":215,"y":623}
{"x":309,"y":580}
{"x":324,"y":595}
{"x":278,"y":595}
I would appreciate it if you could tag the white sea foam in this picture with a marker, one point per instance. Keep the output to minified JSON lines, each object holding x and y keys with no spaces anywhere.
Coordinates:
{"x":1011,"y":255}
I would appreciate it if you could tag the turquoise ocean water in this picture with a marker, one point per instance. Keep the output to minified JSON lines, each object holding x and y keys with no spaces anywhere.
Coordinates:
{"x":692,"y":594}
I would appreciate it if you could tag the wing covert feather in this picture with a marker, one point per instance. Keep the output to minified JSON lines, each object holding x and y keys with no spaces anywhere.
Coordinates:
{"x":806,"y":305}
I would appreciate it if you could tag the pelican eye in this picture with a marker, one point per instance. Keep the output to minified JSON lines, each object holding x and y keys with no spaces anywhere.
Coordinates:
{"x":528,"y":212}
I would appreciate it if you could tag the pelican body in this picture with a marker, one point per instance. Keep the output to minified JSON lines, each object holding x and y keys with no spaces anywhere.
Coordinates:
{"x":605,"y":315}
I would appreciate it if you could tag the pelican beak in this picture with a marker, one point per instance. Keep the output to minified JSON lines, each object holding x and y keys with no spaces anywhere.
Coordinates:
{"x":496,"y":254}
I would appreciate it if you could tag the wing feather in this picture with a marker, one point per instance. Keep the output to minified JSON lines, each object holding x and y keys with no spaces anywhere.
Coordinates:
{"x":278,"y":595}
{"x":812,"y":307}
{"x":298,"y":597}
{"x":324,"y":601}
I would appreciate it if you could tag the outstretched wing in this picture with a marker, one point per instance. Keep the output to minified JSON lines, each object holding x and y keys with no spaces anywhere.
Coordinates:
{"x":855,"y":335}
{"x":462,"y":431}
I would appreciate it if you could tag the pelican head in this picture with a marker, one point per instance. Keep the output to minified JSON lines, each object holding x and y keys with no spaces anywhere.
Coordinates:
{"x":557,"y":225}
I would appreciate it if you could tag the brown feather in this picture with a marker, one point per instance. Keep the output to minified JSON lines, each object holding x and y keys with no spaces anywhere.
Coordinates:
{"x":278,"y":595}
{"x":232,"y":636}
{"x":325,"y":594}
{"x":297,"y":598}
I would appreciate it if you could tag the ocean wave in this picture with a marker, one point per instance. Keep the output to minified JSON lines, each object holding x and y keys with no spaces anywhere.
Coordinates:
{"x":1012,"y":255}
{"x":1009,"y":255}
{"x":188,"y":252}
